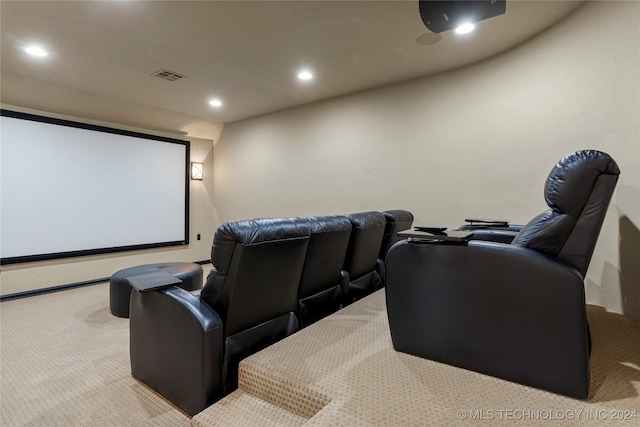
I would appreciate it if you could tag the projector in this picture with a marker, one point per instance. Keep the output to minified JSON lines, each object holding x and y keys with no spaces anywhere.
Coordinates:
{"x":440,"y":16}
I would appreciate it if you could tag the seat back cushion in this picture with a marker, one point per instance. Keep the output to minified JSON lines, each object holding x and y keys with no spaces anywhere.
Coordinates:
{"x":325,"y":254}
{"x":257,"y":269}
{"x":364,"y":244}
{"x":397,"y":220}
{"x":578,"y":191}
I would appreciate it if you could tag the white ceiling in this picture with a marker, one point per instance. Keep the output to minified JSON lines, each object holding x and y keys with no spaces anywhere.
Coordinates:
{"x":247,"y":53}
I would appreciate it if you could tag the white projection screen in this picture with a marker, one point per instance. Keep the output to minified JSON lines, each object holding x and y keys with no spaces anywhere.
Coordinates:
{"x":72,"y":189}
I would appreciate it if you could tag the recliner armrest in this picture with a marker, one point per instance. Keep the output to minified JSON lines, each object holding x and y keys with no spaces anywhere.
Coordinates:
{"x":176,"y":347}
{"x":489,"y":224}
{"x":499,"y":236}
{"x":494,"y":308}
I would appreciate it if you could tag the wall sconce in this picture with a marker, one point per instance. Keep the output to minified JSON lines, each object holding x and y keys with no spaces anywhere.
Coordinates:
{"x":196,"y":171}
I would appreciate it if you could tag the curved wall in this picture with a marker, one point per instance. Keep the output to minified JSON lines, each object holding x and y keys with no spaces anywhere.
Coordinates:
{"x":477,"y":141}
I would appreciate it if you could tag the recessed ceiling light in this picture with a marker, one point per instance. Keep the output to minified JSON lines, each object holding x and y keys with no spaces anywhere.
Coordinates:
{"x":35,"y":51}
{"x":465,"y":28}
{"x":215,"y":103}
{"x":305,"y":75}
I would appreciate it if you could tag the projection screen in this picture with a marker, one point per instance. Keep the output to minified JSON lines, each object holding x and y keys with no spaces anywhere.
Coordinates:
{"x":71,"y":189}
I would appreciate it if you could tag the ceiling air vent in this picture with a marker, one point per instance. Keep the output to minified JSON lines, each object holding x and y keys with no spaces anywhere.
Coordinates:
{"x":168,"y":75}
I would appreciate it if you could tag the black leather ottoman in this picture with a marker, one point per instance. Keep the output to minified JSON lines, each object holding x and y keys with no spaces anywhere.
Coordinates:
{"x":120,"y":289}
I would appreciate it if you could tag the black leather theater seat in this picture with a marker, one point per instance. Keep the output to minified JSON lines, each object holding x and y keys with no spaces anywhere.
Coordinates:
{"x":514,"y":311}
{"x":187,"y":346}
{"x":270,"y":277}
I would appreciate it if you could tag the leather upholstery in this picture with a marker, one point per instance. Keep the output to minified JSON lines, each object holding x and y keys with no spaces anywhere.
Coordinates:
{"x":252,"y":291}
{"x":362,"y":262}
{"x":491,"y":235}
{"x":578,"y":191}
{"x":397,"y":220}
{"x":175,"y":347}
{"x":257,"y":267}
{"x":120,"y":289}
{"x":266,"y":273}
{"x":515,"y":311}
{"x":494,"y":308}
{"x":320,"y":292}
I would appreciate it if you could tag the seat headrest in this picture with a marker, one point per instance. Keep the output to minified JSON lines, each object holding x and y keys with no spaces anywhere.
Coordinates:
{"x":398,"y":216}
{"x":253,"y":231}
{"x":367,"y":219}
{"x":578,"y":191}
{"x":571,"y":182}
{"x":320,"y":224}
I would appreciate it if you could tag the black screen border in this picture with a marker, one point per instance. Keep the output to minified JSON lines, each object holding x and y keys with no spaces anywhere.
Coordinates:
{"x":114,"y":249}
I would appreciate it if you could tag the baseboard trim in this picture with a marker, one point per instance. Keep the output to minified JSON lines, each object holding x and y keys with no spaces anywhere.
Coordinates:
{"x":59,"y":288}
{"x":52,"y":289}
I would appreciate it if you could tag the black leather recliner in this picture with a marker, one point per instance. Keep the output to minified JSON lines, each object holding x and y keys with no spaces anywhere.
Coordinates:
{"x":187,"y":346}
{"x":324,"y":283}
{"x":514,"y":311}
{"x":362,"y":263}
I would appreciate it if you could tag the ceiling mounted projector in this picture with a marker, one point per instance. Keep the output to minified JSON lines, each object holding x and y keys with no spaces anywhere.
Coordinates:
{"x":440,"y":16}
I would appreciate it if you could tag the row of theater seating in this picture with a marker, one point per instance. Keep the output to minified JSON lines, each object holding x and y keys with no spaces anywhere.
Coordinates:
{"x":271,"y":277}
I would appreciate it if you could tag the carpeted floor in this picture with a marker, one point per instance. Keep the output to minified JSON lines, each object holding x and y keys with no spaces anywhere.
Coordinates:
{"x":64,"y":361}
{"x":344,"y":371}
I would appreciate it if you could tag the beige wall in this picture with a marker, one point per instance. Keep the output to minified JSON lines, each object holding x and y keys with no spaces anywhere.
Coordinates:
{"x":477,"y":142}
{"x":18,"y":93}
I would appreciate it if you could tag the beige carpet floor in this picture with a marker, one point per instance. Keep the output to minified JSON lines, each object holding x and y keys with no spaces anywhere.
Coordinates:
{"x":343,"y":371}
{"x":64,"y":361}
